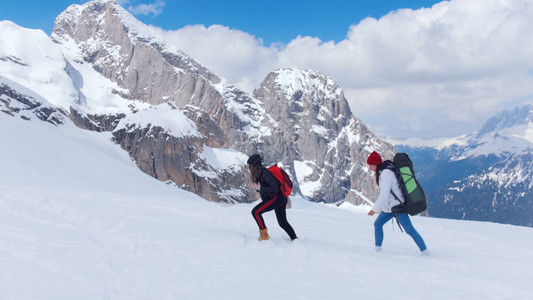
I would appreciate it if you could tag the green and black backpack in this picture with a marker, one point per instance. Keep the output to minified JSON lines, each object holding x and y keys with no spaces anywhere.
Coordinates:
{"x":415,"y":199}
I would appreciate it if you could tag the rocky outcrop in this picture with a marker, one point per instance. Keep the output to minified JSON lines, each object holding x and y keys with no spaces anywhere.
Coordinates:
{"x":95,"y":122}
{"x":179,"y":160}
{"x":15,"y":103}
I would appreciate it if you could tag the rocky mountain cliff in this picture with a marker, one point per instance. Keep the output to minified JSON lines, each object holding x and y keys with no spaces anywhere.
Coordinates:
{"x":317,"y":136}
{"x":184,"y":124}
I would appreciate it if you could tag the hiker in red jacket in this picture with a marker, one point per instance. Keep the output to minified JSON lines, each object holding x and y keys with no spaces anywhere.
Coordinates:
{"x":271,"y":198}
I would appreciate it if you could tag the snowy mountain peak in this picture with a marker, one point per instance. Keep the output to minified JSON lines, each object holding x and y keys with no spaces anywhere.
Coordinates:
{"x":100,"y":13}
{"x":294,"y":81}
{"x":507,"y":132}
{"x":107,"y":34}
{"x":305,"y":96}
{"x":97,"y":9}
{"x":520,"y":116}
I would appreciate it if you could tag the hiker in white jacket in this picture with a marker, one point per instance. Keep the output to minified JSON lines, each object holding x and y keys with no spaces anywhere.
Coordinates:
{"x":387,"y":182}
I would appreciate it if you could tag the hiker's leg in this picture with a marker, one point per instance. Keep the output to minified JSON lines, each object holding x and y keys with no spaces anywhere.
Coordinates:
{"x":378,"y":227}
{"x":281,"y":215}
{"x":259,"y":209}
{"x":405,"y":221}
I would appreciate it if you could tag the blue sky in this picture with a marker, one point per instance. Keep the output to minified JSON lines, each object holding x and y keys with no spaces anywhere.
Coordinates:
{"x":271,"y":20}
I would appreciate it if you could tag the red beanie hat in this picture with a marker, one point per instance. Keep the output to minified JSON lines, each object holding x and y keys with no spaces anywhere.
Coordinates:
{"x":374,"y":159}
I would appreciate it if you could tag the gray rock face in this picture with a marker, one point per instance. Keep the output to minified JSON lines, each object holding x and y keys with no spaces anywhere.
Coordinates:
{"x":93,"y":122}
{"x":171,"y":159}
{"x":317,"y":129}
{"x":298,"y":118}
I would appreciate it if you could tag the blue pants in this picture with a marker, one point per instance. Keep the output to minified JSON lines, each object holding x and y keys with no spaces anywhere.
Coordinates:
{"x":405,"y":221}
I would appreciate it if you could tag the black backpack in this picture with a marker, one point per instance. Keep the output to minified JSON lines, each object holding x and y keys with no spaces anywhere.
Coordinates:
{"x":415,"y":199}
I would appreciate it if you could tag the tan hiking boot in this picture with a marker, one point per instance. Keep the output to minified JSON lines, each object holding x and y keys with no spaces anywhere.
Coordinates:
{"x":263,"y":235}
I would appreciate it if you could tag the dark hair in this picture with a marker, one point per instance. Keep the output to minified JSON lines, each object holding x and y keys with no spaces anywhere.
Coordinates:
{"x":255,"y":160}
{"x":253,"y":173}
{"x":377,"y":173}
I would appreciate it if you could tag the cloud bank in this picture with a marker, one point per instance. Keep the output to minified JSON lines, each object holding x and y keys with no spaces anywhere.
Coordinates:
{"x":428,"y":73}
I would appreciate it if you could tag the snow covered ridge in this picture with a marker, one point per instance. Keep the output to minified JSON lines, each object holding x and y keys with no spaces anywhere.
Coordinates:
{"x":29,"y":58}
{"x":166,"y":116}
{"x":16,"y":100}
{"x":437,"y":144}
{"x":33,"y":89}
{"x":506,"y":133}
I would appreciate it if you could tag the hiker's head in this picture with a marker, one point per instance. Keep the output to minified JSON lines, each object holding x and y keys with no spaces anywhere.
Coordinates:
{"x":374,"y":159}
{"x":255,"y":161}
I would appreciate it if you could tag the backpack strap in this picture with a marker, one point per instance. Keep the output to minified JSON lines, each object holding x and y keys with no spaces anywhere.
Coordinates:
{"x":395,"y":197}
{"x":398,"y":222}
{"x":395,"y":213}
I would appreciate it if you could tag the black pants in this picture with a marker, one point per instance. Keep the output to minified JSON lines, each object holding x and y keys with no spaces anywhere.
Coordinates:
{"x":278,"y":203}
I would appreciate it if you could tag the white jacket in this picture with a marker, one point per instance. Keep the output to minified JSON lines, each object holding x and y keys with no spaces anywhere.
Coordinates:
{"x":385,"y":201}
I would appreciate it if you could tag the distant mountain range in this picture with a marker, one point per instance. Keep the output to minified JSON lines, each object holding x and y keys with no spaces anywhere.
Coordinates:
{"x":484,"y":176}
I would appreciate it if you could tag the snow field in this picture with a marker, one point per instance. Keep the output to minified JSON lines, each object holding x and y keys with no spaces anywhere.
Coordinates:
{"x":78,"y":220}
{"x":61,"y":244}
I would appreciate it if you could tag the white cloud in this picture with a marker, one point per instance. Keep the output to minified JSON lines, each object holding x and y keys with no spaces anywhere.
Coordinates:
{"x":144,"y":9}
{"x":455,"y":64}
{"x":236,"y":55}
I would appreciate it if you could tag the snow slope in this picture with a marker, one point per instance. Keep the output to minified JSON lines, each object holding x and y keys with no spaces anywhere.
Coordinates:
{"x":79,"y":221}
{"x":30,"y":58}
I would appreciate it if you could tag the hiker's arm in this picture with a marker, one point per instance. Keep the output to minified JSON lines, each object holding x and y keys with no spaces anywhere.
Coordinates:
{"x":385,"y":185}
